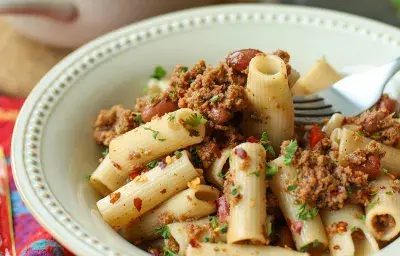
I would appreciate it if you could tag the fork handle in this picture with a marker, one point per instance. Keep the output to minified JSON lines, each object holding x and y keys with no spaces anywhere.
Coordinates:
{"x":390,"y":69}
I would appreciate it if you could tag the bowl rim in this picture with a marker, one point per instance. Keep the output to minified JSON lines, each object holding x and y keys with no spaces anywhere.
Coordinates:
{"x":25,"y":157}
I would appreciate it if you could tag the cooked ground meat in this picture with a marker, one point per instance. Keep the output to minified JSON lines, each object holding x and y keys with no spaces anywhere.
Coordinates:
{"x":207,"y":152}
{"x":378,"y":125}
{"x":382,"y":223}
{"x":367,"y":160}
{"x":112,"y":123}
{"x":320,"y":182}
{"x":217,"y":93}
{"x":388,"y":103}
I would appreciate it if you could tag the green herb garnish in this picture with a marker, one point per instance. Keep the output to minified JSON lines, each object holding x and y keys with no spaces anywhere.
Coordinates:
{"x":87,"y":177}
{"x":138,"y":119}
{"x":372,"y":204}
{"x":256,"y":173}
{"x":213,"y":220}
{"x":266,"y":143}
{"x":290,"y":151}
{"x":163,"y":231}
{"x":159,"y":73}
{"x":178,"y":154}
{"x":195,"y":120}
{"x":314,"y":244}
{"x":235,"y":190}
{"x":221,"y":175}
{"x":184,"y":69}
{"x":168,"y":252}
{"x":353,"y":229}
{"x":222,"y":229}
{"x":206,"y":239}
{"x":214,"y":98}
{"x":105,"y":152}
{"x":195,"y":156}
{"x":152,"y":164}
{"x":171,"y":116}
{"x":304,"y":214}
{"x":271,"y":171}
{"x":385,"y":171}
{"x":155,"y":133}
{"x":292,"y":187}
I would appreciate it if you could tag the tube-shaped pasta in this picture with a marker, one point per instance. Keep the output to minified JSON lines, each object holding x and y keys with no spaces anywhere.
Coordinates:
{"x":105,"y":178}
{"x":383,"y":212}
{"x":146,"y":191}
{"x":214,"y":173}
{"x":190,"y":204}
{"x":271,"y":101}
{"x":318,"y":78}
{"x":181,"y":234}
{"x":349,"y":141}
{"x":246,"y":194}
{"x":344,"y":222}
{"x":334,"y":122}
{"x":154,"y":139}
{"x":312,"y":229}
{"x":240,"y":250}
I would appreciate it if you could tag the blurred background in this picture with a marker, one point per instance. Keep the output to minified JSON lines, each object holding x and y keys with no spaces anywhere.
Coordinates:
{"x":24,"y":61}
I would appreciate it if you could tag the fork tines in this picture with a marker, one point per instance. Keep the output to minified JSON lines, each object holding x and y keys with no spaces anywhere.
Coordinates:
{"x":311,"y":109}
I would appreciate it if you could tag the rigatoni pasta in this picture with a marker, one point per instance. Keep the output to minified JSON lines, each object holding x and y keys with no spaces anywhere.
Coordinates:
{"x":271,"y":102}
{"x":155,"y":139}
{"x":137,"y":197}
{"x":382,"y":216}
{"x":214,"y":173}
{"x":246,"y":180}
{"x":190,"y":204}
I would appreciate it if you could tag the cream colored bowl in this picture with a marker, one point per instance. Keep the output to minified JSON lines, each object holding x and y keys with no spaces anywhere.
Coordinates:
{"x":53,"y":149}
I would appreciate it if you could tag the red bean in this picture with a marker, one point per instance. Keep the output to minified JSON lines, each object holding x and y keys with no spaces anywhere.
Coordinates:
{"x":372,"y":167}
{"x":285,"y":238}
{"x":239,"y":60}
{"x":220,"y":115}
{"x":159,"y":109}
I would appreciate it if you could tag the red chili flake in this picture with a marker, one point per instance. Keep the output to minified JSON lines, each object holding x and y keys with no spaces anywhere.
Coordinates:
{"x":251,"y":139}
{"x":162,"y":164}
{"x":114,"y":197}
{"x":382,"y":187}
{"x":194,"y":243}
{"x":163,"y":191}
{"x":223,"y":209}
{"x":315,"y":136}
{"x":240,"y":152}
{"x":297,"y":226}
{"x":133,"y":175}
{"x":336,"y":247}
{"x":137,"y":202}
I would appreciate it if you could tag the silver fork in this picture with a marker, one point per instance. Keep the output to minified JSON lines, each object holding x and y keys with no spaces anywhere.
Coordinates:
{"x":350,"y":96}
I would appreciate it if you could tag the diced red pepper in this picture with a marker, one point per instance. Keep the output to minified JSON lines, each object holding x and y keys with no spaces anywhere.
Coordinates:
{"x":315,"y":136}
{"x":194,"y":243}
{"x":137,"y":202}
{"x":251,"y":139}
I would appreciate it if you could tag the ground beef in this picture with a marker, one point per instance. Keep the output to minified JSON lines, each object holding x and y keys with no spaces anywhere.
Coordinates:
{"x":207,"y":152}
{"x":217,"y":93}
{"x":320,"y":182}
{"x":112,"y":123}
{"x":391,"y":105}
{"x":378,"y":125}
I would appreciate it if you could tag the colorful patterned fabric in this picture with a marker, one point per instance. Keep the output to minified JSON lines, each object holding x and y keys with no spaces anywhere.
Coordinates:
{"x":30,"y":238}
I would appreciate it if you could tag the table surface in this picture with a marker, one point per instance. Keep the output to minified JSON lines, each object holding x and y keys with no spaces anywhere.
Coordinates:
{"x":23,"y":62}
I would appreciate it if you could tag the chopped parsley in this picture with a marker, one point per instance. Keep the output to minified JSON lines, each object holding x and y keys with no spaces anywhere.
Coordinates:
{"x":178,"y":154}
{"x":314,"y":244}
{"x":152,"y":164}
{"x":206,"y":239}
{"x":152,"y":98}
{"x":221,"y":175}
{"x":271,"y":171}
{"x":195,"y":120}
{"x":351,"y":189}
{"x":362,"y":217}
{"x":195,"y":157}
{"x":168,"y":252}
{"x":163,"y":231}
{"x":256,"y":173}
{"x":87,"y":177}
{"x":155,"y":134}
{"x":266,"y":143}
{"x":372,"y":204}
{"x":138,"y":119}
{"x":303,"y":214}
{"x":222,"y":229}
{"x":385,"y":171}
{"x":214,"y":98}
{"x":389,"y":193}
{"x":353,"y":229}
{"x":213,"y":221}
{"x":184,"y":69}
{"x":292,"y":187}
{"x":376,"y":136}
{"x":105,"y":152}
{"x":360,"y":133}
{"x":173,"y":95}
{"x":159,"y":73}
{"x":235,"y":190}
{"x":268,"y":227}
{"x":171,"y":116}
{"x":290,"y":151}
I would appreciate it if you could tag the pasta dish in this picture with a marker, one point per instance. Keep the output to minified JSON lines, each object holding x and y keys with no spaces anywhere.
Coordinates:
{"x":211,"y":162}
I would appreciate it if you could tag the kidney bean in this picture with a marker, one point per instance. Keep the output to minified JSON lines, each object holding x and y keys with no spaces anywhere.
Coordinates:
{"x":239,"y":60}
{"x":220,"y":115}
{"x":159,"y":109}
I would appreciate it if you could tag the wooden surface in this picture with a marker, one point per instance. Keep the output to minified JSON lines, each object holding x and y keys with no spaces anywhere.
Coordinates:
{"x":23,"y":61}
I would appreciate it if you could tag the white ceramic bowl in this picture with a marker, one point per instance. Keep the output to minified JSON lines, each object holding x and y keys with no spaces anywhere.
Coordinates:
{"x":53,"y":149}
